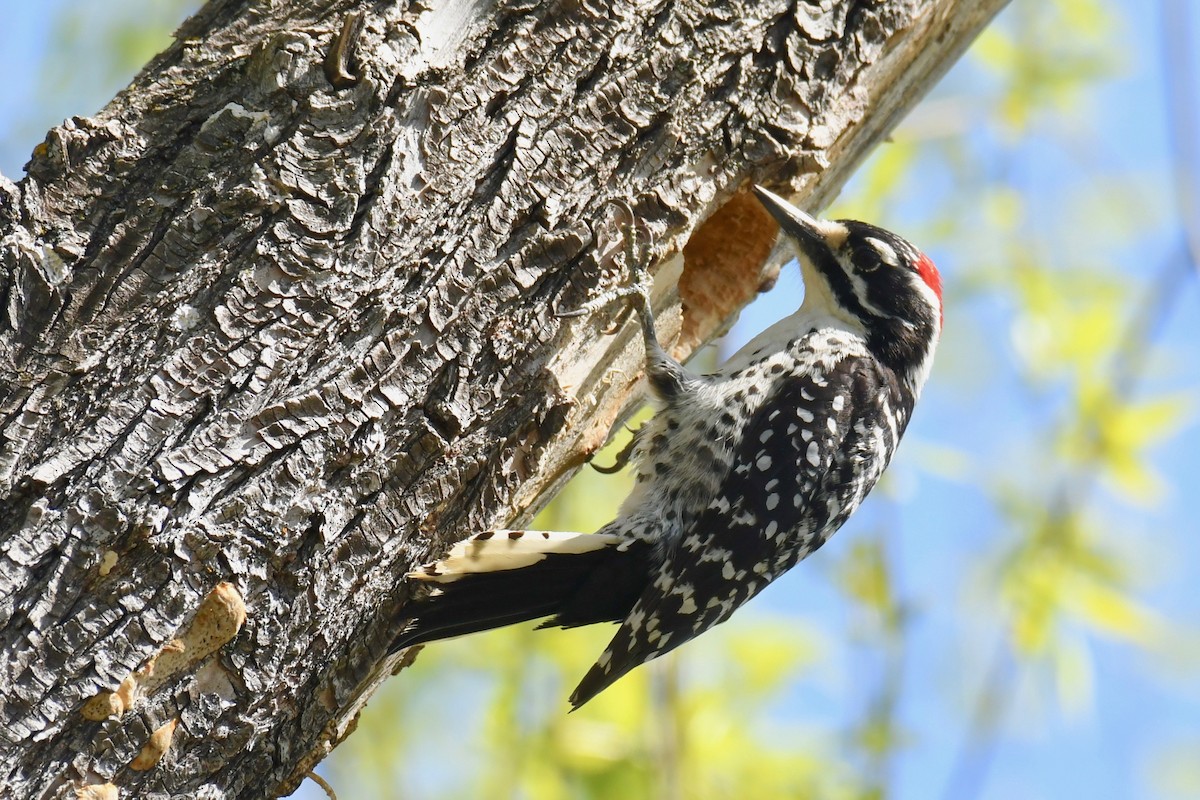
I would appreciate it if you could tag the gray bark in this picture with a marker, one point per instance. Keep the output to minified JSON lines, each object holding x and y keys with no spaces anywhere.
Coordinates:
{"x":277,"y":324}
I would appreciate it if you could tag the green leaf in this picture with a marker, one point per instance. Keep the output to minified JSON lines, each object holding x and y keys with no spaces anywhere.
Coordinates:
{"x":1074,"y":676}
{"x":1110,"y":611}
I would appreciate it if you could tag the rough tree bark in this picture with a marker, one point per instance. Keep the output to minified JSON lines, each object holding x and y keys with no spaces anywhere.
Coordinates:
{"x":277,"y":324}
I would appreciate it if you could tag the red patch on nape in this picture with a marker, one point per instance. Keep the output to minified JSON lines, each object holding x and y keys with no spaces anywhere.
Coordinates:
{"x":933,"y":279}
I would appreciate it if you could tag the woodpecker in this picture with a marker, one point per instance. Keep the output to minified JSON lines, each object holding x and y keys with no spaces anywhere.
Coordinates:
{"x":739,"y":475}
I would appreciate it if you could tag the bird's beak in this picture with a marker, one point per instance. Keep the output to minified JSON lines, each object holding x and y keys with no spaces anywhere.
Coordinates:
{"x":806,"y":230}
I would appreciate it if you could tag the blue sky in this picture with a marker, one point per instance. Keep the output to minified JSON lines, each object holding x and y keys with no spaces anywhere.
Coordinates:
{"x":1078,"y":170}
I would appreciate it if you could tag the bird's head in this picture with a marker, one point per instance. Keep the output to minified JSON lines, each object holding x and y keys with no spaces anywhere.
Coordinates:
{"x":872,"y":280}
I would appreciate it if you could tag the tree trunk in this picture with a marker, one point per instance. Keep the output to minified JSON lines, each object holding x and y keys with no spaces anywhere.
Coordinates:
{"x":279,"y":323}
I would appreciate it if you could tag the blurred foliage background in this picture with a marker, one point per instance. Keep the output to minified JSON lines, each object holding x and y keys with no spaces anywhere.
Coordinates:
{"x":1014,"y":611}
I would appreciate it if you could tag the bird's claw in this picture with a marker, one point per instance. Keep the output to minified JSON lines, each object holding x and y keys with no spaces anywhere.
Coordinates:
{"x":637,"y":291}
{"x":622,"y":458}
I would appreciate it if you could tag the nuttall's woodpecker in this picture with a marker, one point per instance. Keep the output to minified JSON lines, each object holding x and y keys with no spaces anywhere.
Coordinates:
{"x":740,"y":474}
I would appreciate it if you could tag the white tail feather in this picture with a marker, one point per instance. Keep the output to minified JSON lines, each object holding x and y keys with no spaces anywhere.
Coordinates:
{"x":493,"y":551}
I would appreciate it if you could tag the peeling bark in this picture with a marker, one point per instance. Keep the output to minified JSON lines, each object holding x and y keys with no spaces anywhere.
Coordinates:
{"x":278,"y":324}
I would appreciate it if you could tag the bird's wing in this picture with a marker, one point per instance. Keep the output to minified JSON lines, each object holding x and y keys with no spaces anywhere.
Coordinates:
{"x":769,"y":514}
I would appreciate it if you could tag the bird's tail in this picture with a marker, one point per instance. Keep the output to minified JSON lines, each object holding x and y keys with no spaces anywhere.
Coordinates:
{"x":499,"y":578}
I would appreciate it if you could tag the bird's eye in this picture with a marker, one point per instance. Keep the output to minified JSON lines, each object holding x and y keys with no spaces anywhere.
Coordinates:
{"x":865,"y":258}
{"x":873,"y":253}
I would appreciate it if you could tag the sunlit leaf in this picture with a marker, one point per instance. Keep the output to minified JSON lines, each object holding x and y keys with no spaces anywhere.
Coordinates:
{"x":1173,"y":773}
{"x":865,"y":576}
{"x":1004,"y":208}
{"x":1074,"y":676}
{"x":769,"y":652}
{"x":1114,"y":436}
{"x":946,"y":462}
{"x":1109,"y":611}
{"x":1138,"y":425}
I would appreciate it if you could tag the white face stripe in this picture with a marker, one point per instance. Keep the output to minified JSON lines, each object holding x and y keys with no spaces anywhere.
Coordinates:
{"x":920,"y":373}
{"x":860,"y":290}
{"x":930,"y":296}
{"x":886,"y":254}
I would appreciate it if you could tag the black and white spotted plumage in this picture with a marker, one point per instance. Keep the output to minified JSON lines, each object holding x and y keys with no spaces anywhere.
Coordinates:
{"x":739,"y":475}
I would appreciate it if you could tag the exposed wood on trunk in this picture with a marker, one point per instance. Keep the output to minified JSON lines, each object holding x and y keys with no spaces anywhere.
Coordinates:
{"x":278,"y":324}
